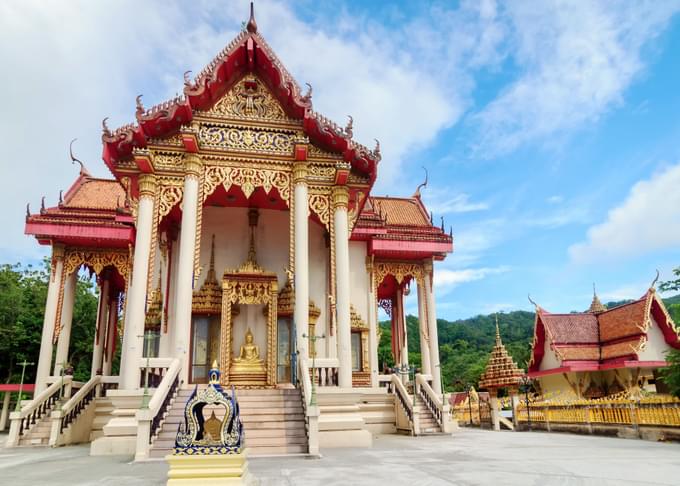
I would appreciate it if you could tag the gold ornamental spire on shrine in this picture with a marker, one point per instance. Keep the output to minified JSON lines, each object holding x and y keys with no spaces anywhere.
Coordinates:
{"x":501,"y":371}
{"x":596,"y":306}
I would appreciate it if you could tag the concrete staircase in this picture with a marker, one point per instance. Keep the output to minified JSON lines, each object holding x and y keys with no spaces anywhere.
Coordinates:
{"x":428,"y":424}
{"x":102,"y":415}
{"x":273,"y":422}
{"x":38,"y":434}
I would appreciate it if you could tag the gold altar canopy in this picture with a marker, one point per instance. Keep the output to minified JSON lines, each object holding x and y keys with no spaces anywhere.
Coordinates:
{"x":249,"y":285}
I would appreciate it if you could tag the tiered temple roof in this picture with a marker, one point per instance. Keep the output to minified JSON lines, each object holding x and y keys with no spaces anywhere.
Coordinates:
{"x":501,"y":370}
{"x":601,"y":339}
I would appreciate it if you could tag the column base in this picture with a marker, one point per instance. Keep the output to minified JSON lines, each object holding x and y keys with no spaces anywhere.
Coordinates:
{"x":209,"y":470}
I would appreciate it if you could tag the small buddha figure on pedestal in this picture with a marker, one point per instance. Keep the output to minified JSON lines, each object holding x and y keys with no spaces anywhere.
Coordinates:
{"x":249,"y":360}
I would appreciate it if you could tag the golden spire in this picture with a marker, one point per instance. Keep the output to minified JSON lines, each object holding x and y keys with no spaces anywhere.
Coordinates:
{"x":596,"y":306}
{"x":211,"y":271}
{"x":498,"y":333}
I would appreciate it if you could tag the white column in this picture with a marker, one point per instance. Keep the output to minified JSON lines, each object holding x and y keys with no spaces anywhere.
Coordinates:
{"x":301,"y":228}
{"x":340,"y":202}
{"x":66,"y":321}
{"x":5,"y":411}
{"x":45,"y":359}
{"x":185,"y":264}
{"x":133,"y":344}
{"x":110,"y":336}
{"x":372,"y":324}
{"x":432,"y":322}
{"x":401,"y":321}
{"x":423,"y":325}
{"x":100,"y":331}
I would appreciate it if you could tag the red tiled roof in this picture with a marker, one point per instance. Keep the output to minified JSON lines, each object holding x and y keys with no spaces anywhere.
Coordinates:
{"x":571,"y":328}
{"x":96,"y":194}
{"x":599,"y":337}
{"x":401,"y":211}
{"x":627,"y":320}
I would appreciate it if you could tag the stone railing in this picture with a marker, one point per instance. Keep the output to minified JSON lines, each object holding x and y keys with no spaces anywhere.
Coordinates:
{"x":70,"y":411}
{"x":653,"y":411}
{"x":31,"y":413}
{"x":157,"y":367}
{"x":438,"y":409}
{"x":311,"y":409}
{"x":405,"y":409}
{"x":149,"y":419}
{"x":325,"y":371}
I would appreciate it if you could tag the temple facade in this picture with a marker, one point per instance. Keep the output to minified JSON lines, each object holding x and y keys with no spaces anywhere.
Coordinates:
{"x":602,"y":352}
{"x":240,"y":229}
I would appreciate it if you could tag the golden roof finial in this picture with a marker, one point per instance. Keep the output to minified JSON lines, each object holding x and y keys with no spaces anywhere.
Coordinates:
{"x":421,"y":186}
{"x":252,"y":25}
{"x":656,"y":279}
{"x":498,"y":332}
{"x":596,"y":305}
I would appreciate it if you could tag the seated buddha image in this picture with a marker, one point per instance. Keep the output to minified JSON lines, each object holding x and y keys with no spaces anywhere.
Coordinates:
{"x":249,"y":356}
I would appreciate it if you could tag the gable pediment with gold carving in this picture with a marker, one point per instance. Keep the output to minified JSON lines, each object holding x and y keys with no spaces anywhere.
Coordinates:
{"x":249,"y":100}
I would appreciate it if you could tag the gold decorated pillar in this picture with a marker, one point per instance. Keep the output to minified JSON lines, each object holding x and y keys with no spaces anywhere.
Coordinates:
{"x":423,"y":324}
{"x":432,"y":328}
{"x":67,"y":301}
{"x":53,"y":290}
{"x":100,"y":330}
{"x":372,"y":323}
{"x":301,"y":241}
{"x":110,"y":336}
{"x":133,"y":344}
{"x":340,"y":202}
{"x":193,"y":167}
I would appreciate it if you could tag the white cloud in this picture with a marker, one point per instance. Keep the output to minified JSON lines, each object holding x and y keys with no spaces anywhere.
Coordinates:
{"x":446,"y":279}
{"x":646,"y":221}
{"x":441,"y":202}
{"x":575,"y":60}
{"x":555,"y":199}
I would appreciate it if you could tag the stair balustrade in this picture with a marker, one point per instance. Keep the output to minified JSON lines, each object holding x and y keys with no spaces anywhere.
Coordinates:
{"x":34,"y":411}
{"x":311,"y":409}
{"x":433,"y":402}
{"x":405,"y":410}
{"x":149,"y":419}
{"x":325,"y":371}
{"x":72,"y":409}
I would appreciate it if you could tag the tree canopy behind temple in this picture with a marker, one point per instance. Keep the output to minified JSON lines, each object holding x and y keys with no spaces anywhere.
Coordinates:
{"x":23,"y":291}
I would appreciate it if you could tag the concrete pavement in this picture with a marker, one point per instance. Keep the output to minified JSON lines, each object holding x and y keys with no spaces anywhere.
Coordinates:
{"x":470,"y":457}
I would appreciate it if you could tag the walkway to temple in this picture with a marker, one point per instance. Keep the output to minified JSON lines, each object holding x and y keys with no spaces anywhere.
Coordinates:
{"x":470,"y":457}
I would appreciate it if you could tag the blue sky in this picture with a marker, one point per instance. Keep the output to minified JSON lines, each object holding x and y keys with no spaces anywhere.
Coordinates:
{"x":550,"y":129}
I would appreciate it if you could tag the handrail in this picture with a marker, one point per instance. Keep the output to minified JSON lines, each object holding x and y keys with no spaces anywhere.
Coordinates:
{"x":72,"y":408}
{"x":432,"y":401}
{"x":149,"y":419}
{"x":36,"y":409}
{"x":311,"y":410}
{"x":403,"y":396}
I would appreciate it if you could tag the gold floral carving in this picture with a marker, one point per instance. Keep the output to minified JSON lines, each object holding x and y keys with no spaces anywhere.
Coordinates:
{"x":399,"y":270}
{"x":249,"y":99}
{"x":247,"y":179}
{"x":319,"y":204}
{"x":167,"y":160}
{"x":170,"y":196}
{"x":325,"y":172}
{"x":246,"y":139}
{"x":97,"y":260}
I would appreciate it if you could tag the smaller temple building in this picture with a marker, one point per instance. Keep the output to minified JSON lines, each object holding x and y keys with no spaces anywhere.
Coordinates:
{"x":602,"y":352}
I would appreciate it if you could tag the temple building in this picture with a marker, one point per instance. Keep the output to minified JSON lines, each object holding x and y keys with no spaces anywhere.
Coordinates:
{"x":239,"y":229}
{"x":602,"y":351}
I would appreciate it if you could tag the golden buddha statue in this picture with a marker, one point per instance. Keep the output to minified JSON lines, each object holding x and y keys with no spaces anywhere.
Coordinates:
{"x":249,"y":360}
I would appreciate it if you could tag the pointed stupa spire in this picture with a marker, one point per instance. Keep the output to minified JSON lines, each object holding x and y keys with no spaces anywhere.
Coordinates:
{"x":501,"y":370}
{"x":596,"y":306}
{"x":211,"y":271}
{"x":498,"y":333}
{"x":252,"y":25}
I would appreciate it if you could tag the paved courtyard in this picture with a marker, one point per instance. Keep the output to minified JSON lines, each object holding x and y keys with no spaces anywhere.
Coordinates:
{"x":470,"y":457}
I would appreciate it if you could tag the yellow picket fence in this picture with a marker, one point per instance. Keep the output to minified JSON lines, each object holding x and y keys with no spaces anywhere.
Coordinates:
{"x":658,"y":410}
